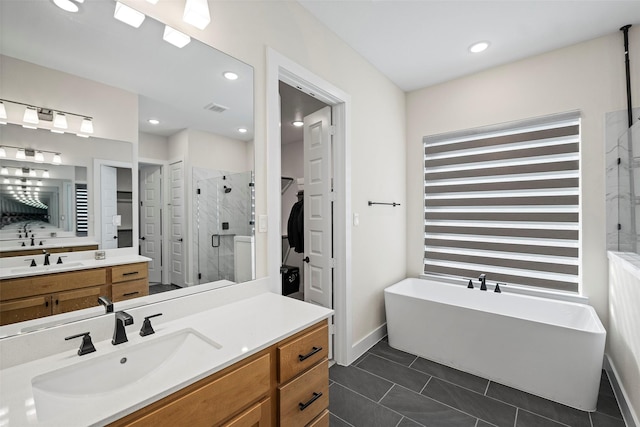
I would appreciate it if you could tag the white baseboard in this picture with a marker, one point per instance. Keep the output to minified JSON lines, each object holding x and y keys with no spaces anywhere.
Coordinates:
{"x":361,"y":347}
{"x":630,"y":417}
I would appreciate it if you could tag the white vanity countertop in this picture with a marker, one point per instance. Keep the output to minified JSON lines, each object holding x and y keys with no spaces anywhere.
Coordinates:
{"x":49,"y":243}
{"x":241,"y":328}
{"x":14,"y":267}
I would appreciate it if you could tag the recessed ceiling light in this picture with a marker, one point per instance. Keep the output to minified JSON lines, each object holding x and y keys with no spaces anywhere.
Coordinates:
{"x":478,"y":47}
{"x":230,"y":75}
{"x":242,"y":130}
{"x":298,"y":123}
{"x":128,"y":15}
{"x":196,"y":13}
{"x":154,"y":121}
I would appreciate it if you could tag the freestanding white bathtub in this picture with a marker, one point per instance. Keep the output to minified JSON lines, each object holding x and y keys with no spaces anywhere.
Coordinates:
{"x":553,"y":349}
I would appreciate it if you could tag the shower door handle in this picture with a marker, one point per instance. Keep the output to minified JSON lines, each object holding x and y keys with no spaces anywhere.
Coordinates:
{"x":217,"y":245}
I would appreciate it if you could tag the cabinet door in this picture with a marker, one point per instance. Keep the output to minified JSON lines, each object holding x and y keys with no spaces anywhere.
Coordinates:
{"x":24,"y":309}
{"x":256,"y":416}
{"x":63,"y":302}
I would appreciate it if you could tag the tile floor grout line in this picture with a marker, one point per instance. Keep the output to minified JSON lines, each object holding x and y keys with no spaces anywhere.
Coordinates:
{"x":387,"y":392}
{"x":590,"y":419}
{"x":544,"y":416}
{"x":477,"y":421}
{"x":344,"y":421}
{"x":486,"y":390}
{"x":427,"y":383}
{"x":515,"y":422}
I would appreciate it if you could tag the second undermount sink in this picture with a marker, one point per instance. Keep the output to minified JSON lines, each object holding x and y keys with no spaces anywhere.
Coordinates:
{"x":158,"y":363}
{"x":47,"y":268}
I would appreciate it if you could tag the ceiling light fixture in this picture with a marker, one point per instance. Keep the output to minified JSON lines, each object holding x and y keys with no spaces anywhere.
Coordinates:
{"x":298,"y":123}
{"x":128,"y":15}
{"x":230,"y":75}
{"x":175,"y":37}
{"x":478,"y":47}
{"x":154,"y":121}
{"x":3,"y":114}
{"x":152,"y":1}
{"x":67,"y":5}
{"x":196,"y":13}
{"x":242,"y":130}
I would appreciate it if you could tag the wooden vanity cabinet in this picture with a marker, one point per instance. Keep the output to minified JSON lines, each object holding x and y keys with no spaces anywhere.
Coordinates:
{"x":129,"y":281}
{"x":28,"y":298}
{"x":252,"y":392}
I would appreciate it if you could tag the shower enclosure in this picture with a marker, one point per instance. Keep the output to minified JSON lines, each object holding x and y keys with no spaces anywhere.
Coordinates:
{"x":623,"y":191}
{"x":225,"y":212}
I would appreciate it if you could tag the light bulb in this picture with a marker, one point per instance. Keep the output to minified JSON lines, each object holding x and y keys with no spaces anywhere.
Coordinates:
{"x":56,"y":159}
{"x":32,"y":172}
{"x":86,"y":126}
{"x":39,"y":157}
{"x":21,"y":154}
{"x":31,"y":116}
{"x":45,"y":174}
{"x":3,"y":152}
{"x":4,"y":171}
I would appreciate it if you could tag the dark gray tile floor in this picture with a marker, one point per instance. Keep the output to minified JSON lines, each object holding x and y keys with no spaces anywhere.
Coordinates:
{"x":156,"y":288}
{"x":390,"y":388}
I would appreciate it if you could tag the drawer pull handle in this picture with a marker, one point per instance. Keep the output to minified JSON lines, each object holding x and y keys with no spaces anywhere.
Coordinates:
{"x":315,"y":397}
{"x":130,"y":273}
{"x":128,"y":294}
{"x":308,"y":355}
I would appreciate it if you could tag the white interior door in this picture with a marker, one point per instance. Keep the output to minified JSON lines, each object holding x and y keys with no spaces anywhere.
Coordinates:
{"x":318,"y":274}
{"x":150,"y":219}
{"x":108,"y":207}
{"x":177,"y":267}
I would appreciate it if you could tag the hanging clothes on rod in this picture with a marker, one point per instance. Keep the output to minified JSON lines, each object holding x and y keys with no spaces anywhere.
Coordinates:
{"x":295,"y":225}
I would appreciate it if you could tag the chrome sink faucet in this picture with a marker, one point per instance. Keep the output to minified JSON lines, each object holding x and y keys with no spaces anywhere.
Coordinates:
{"x":119,"y":333}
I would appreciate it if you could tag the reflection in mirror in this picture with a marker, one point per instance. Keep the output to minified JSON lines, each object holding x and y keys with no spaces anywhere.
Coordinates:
{"x":147,"y":99}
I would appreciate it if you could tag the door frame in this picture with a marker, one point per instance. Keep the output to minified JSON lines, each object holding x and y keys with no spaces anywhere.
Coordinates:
{"x":281,"y":68}
{"x":165,"y":228}
{"x":97,"y":198}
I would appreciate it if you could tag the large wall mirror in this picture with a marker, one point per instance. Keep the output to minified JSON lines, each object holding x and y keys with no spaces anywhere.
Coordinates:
{"x":170,"y":135}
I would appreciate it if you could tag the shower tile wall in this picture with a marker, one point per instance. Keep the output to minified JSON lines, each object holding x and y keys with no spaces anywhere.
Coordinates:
{"x":215,"y":207}
{"x":620,"y":209}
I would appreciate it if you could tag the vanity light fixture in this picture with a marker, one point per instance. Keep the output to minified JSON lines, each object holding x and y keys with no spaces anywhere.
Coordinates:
{"x":21,"y":154}
{"x":196,"y":13}
{"x":39,"y":157}
{"x":128,"y":15}
{"x":3,"y":114}
{"x":175,"y":37}
{"x":298,"y":123}
{"x":59,"y":122}
{"x":45,"y":174}
{"x":6,"y":180}
{"x":3,"y":152}
{"x":152,"y":1}
{"x":57,"y":159}
{"x":39,"y":184}
{"x":479,"y":47}
{"x":230,"y":75}
{"x":32,"y":172}
{"x":82,"y":136}
{"x":31,"y":117}
{"x":18,"y":172}
{"x":86,"y":126}
{"x":5,"y":171}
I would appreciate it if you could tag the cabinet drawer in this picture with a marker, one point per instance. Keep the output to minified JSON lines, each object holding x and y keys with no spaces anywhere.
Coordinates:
{"x":304,"y":398}
{"x":124,"y":273}
{"x":302,"y":353}
{"x":49,"y":283}
{"x":215,"y":401}
{"x":127,"y":290}
{"x":321,"y":421}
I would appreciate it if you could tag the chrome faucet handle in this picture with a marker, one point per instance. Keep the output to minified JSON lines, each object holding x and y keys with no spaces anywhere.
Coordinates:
{"x":147,"y":329}
{"x":60,"y":259}
{"x":87,"y":346}
{"x":33,"y":262}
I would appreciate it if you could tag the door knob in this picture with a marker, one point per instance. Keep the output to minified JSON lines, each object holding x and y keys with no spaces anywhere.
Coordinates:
{"x":180,"y":239}
{"x":143,"y":238}
{"x":306,"y":259}
{"x":115,"y":237}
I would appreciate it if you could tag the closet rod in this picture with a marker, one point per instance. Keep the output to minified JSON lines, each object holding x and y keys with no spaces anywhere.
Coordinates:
{"x":394,"y":204}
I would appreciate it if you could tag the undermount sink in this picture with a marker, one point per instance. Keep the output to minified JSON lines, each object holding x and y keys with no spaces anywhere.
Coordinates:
{"x":158,"y":363}
{"x":52,"y":267}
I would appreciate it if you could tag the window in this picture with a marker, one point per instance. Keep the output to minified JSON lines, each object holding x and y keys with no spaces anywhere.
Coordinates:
{"x":505,"y":201}
{"x":82,"y":210}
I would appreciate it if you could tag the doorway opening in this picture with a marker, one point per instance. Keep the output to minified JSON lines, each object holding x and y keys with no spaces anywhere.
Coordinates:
{"x":282,"y":69}
{"x":151,"y":233}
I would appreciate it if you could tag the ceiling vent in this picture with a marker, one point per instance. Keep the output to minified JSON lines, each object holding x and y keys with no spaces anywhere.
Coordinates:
{"x":216,"y":108}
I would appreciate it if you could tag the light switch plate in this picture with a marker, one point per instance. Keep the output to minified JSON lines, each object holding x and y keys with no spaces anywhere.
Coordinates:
{"x":262,"y":223}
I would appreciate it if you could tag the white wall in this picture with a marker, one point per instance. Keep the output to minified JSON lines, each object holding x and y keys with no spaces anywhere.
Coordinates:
{"x":588,"y":77}
{"x":244,"y":30}
{"x":153,"y":146}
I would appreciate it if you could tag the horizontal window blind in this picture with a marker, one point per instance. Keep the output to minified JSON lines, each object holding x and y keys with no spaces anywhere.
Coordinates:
{"x":505,"y":202}
{"x":82,"y":210}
